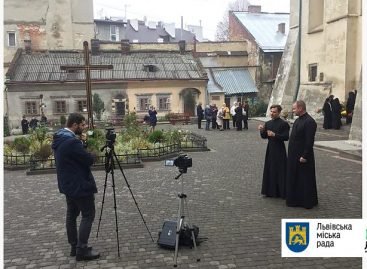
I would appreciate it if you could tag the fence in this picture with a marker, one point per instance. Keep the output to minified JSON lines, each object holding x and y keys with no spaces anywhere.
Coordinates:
{"x":191,"y":142}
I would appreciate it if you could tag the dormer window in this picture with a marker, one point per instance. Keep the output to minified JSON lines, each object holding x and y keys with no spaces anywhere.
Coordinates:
{"x":150,"y":68}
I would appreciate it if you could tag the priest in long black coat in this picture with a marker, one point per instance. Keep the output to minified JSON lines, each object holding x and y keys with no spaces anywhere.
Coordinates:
{"x":301,"y":177}
{"x":275,"y":168}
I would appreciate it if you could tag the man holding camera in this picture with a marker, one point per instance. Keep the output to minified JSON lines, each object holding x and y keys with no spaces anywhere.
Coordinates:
{"x":76,"y":181}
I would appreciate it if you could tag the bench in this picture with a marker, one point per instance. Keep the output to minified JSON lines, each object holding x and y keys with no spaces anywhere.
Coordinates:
{"x":173,"y":118}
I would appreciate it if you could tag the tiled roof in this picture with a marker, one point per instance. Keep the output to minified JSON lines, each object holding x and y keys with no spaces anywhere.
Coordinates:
{"x":264,"y":28}
{"x":234,"y":80}
{"x":45,"y":66}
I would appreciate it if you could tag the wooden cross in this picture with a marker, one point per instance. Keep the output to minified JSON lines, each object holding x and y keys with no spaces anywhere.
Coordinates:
{"x":87,"y":67}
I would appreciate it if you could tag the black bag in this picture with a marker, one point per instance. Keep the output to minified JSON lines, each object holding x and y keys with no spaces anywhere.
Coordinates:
{"x":186,"y":236}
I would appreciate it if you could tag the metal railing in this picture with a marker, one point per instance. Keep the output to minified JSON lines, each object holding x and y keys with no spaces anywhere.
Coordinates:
{"x":192,"y":141}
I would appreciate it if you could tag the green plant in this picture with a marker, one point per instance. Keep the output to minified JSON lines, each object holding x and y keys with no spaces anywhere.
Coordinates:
{"x":6,"y":126}
{"x":258,"y":109}
{"x":156,"y":136}
{"x":62,"y":120}
{"x":43,"y":152}
{"x":98,"y":105}
{"x":22,"y":145}
{"x":173,"y":136}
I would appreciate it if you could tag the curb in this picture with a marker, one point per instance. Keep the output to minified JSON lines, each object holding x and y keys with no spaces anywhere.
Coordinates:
{"x":342,"y":153}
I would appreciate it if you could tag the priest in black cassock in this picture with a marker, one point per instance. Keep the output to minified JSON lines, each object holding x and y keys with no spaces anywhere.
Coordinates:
{"x":275,"y":168}
{"x":301,"y":177}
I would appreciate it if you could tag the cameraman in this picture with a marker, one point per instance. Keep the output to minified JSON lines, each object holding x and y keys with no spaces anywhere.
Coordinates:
{"x":76,"y":181}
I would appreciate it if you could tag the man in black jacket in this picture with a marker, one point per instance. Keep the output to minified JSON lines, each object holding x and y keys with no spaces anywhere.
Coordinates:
{"x":76,"y":181}
{"x":200,"y":114}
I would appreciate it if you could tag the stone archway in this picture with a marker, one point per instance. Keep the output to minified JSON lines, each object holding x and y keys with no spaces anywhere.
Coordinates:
{"x":189,"y":98}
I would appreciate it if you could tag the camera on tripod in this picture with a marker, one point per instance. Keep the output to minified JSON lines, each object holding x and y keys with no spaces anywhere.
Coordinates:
{"x":110,"y":135}
{"x":182,"y":162}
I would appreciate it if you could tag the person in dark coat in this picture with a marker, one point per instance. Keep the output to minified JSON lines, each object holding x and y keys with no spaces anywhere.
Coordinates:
{"x":327,"y":110}
{"x":152,"y":117}
{"x":214,"y":116}
{"x":336,"y":121}
{"x":246,"y":109}
{"x":350,"y":106}
{"x":275,"y":168}
{"x":301,"y":187}
{"x":208,"y":116}
{"x":33,"y":123}
{"x":76,"y":182}
{"x":200,"y":114}
{"x":239,"y":115}
{"x":25,"y":125}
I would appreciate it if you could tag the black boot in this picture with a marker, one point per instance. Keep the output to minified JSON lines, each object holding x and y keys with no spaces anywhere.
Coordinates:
{"x":86,"y":254}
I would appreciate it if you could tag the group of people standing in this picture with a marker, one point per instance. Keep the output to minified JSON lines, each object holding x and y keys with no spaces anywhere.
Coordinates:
{"x":33,"y":123}
{"x":291,"y":177}
{"x":219,"y":118}
{"x":332,"y":111}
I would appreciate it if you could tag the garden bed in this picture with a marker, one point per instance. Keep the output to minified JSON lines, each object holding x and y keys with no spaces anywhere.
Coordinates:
{"x":133,"y":145}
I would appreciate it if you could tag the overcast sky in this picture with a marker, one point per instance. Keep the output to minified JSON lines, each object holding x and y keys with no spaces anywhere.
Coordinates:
{"x":209,"y":12}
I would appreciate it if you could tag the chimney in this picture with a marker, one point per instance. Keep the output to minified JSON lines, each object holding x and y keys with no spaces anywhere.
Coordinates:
{"x":95,"y":46}
{"x":281,"y":27}
{"x":27,"y":46}
{"x":254,"y":9}
{"x":182,"y":46}
{"x":125,"y":46}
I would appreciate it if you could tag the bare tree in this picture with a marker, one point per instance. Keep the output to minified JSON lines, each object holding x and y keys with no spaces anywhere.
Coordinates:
{"x":223,"y":26}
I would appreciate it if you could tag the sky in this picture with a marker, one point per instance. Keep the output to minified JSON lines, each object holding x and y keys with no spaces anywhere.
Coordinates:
{"x":207,"y":12}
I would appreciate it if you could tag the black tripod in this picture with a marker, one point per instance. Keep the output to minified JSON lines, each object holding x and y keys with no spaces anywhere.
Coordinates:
{"x":181,"y":218}
{"x":109,"y":168}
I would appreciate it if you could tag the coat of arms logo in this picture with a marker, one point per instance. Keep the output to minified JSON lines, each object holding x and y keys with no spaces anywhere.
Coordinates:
{"x":297,"y":236}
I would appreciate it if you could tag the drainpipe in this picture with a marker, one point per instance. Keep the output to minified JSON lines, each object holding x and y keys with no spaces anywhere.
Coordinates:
{"x":299,"y":40}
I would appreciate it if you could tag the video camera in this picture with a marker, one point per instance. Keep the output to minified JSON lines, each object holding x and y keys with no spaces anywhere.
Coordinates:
{"x":182,"y":162}
{"x":110,"y":134}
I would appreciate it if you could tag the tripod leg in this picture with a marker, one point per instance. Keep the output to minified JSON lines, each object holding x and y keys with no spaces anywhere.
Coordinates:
{"x":115,"y":207}
{"x":104,"y":194}
{"x":191,"y":229}
{"x":178,"y":229}
{"x":131,"y":192}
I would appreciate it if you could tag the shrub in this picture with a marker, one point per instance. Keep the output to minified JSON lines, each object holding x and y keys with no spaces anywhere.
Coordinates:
{"x":62,"y":120}
{"x":43,"y":152}
{"x":156,"y":136}
{"x":22,"y":144}
{"x":173,"y":136}
{"x":6,"y":126}
{"x":258,"y":109}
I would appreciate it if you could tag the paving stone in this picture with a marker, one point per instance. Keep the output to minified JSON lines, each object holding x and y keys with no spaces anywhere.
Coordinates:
{"x":223,"y":188}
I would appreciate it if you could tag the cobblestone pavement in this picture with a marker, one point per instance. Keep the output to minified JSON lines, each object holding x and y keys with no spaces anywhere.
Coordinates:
{"x":223,"y":188}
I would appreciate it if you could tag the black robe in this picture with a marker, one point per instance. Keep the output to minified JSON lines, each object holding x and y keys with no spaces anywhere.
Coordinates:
{"x":275,"y":167}
{"x":301,"y":177}
{"x":336,"y":121}
{"x":327,"y":115}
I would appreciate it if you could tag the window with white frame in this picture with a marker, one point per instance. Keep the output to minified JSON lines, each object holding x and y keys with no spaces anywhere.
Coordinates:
{"x":60,"y":107}
{"x":11,"y":39}
{"x":31,"y":108}
{"x":164,"y":103}
{"x":143,"y":103}
{"x":114,"y":33}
